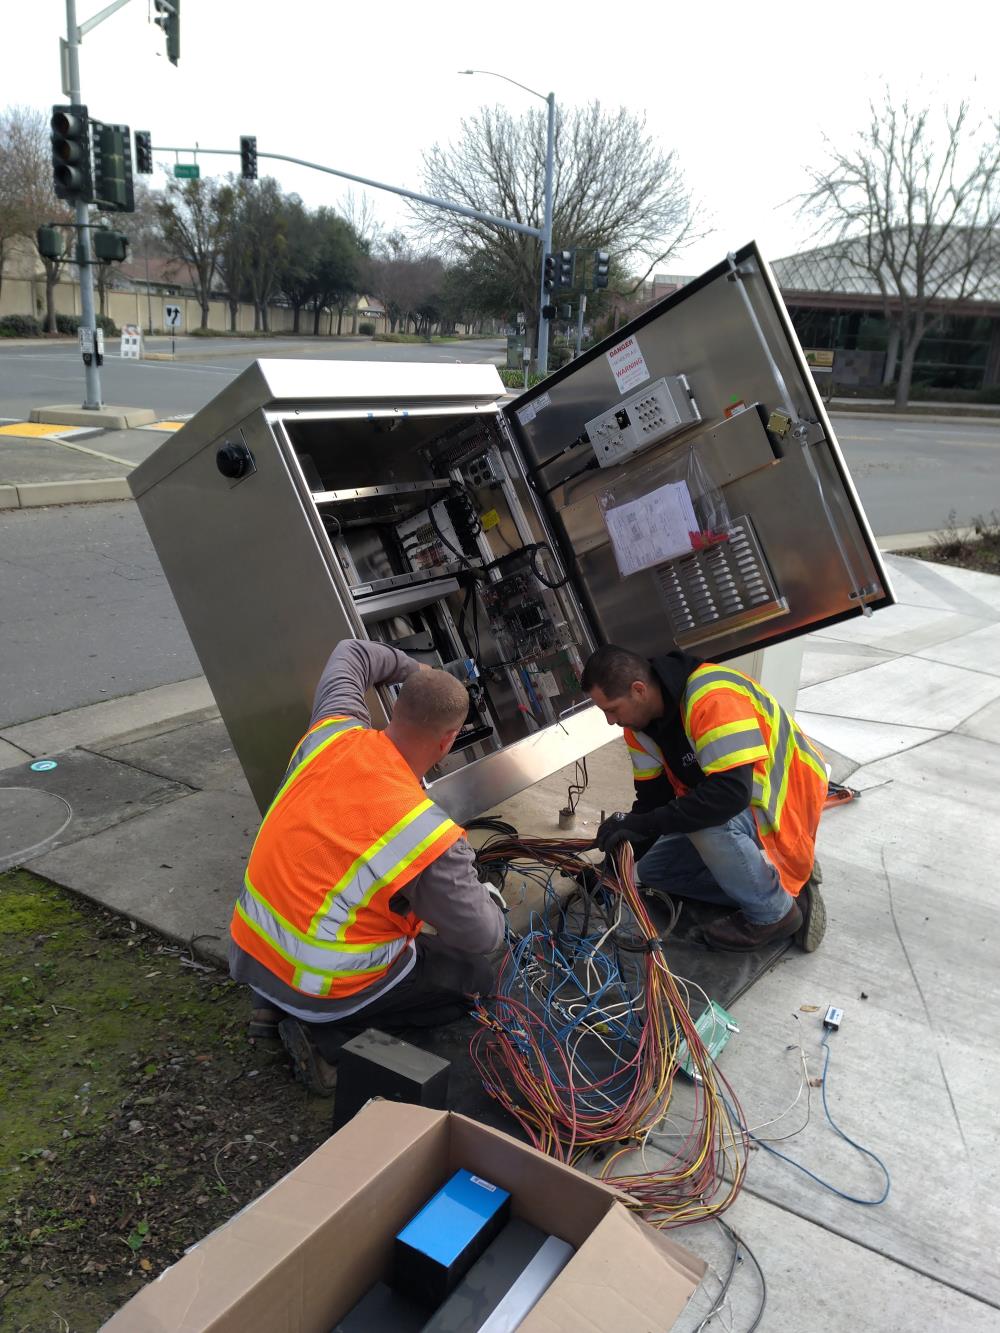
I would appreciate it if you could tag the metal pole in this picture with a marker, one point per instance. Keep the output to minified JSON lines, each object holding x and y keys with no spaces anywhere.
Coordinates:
{"x":579,"y":323}
{"x":543,"y":323}
{"x":149,"y":298}
{"x":92,"y":377}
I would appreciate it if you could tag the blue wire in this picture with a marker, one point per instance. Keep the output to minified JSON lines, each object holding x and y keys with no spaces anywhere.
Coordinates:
{"x":851,"y":1198}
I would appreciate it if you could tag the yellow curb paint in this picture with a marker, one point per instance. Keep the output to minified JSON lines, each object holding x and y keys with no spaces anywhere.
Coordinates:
{"x":32,"y":429}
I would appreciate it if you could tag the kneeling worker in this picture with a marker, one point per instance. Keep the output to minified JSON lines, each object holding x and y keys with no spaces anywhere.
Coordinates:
{"x":728,"y":786}
{"x":350,"y":860}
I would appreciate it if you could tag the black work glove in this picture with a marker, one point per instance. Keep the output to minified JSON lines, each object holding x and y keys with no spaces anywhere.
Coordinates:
{"x":619,"y":828}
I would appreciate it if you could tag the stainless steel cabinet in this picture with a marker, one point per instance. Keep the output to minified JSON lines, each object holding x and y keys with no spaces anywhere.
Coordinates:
{"x":679,"y":484}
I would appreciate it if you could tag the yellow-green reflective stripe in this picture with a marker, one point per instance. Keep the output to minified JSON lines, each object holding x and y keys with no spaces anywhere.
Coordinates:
{"x":701,"y":681}
{"x":342,"y":728}
{"x":810,"y":755}
{"x":736,"y":742}
{"x":319,"y":959}
{"x":383,"y":861}
{"x":406,"y":860}
{"x":263,"y":911}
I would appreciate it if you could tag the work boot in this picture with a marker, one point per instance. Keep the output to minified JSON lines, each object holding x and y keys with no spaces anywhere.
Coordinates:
{"x":310,"y":1069}
{"x":738,"y":935}
{"x":811,"y":905}
{"x":263,"y":1024}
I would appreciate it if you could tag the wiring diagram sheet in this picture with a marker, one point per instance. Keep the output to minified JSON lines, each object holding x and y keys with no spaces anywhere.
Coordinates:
{"x":654,"y":528}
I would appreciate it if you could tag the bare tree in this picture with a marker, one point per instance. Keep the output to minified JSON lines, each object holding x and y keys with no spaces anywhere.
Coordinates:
{"x":265,"y":220}
{"x":614,"y":189}
{"x":915,"y":206}
{"x":234,"y":250}
{"x":195,"y":216}
{"x":27,"y":187}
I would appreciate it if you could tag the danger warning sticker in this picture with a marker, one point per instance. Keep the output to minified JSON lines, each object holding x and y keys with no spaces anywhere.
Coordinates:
{"x":628,"y":365}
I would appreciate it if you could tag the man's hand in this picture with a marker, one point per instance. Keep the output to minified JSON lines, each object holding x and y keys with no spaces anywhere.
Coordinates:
{"x":619,"y":828}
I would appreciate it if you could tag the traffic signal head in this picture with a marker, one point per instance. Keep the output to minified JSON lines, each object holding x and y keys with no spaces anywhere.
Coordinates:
{"x":71,"y":176}
{"x":248,"y":157}
{"x":602,"y":263}
{"x":110,"y":245}
{"x":566,"y":269}
{"x":549,"y":269}
{"x":51,"y":243}
{"x":168,"y":17}
{"x":144,"y":152}
{"x":113,"y":168}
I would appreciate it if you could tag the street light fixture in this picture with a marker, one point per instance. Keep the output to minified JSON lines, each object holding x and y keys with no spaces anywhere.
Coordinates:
{"x":550,"y":100}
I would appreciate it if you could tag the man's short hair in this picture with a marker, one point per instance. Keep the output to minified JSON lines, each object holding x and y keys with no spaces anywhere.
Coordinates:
{"x":432,"y":702}
{"x":612,"y":670}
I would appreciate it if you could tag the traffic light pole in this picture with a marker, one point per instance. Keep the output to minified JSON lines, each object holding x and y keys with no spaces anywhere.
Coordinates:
{"x":543,"y":323}
{"x":92,"y":376}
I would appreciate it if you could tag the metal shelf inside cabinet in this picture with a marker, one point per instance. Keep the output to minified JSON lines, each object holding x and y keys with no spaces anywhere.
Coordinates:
{"x":392,"y":488}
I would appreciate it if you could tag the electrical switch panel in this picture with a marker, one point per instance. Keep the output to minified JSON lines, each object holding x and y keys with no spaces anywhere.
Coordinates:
{"x":656,"y":412}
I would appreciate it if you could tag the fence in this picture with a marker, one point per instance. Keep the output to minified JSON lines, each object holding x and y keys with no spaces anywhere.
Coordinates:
{"x":26,"y":296}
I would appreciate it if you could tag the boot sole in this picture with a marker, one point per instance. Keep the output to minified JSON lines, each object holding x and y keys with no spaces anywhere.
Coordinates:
{"x":810,"y":934}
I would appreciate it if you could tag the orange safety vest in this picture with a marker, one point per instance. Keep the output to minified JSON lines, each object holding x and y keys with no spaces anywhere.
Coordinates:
{"x":350,"y":826}
{"x":731,"y":720}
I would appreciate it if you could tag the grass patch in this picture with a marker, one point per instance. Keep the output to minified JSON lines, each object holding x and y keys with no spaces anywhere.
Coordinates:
{"x":977,"y":547}
{"x":137,"y":1117}
{"x":412,"y":338}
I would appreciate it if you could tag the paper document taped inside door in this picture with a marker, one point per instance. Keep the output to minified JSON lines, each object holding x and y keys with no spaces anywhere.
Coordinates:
{"x":654,"y":528}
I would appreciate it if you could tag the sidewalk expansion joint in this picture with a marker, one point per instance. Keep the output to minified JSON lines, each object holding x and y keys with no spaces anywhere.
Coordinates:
{"x":873,"y":1249}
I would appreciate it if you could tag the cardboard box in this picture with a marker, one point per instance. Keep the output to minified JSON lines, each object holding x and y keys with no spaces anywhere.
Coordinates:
{"x":303,"y":1254}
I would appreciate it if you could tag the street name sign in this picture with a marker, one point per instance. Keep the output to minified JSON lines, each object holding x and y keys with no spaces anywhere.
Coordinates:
{"x":187,"y":171}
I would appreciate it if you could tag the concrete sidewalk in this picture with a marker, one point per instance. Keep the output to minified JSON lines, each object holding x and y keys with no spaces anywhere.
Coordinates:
{"x":906,"y":705}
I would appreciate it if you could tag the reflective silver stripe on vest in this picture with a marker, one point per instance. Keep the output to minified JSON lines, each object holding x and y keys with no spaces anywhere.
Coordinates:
{"x":321,"y":958}
{"x":749,"y":737}
{"x":720,"y":676}
{"x":314,"y":739}
{"x":649,"y":747}
{"x":373,"y":870}
{"x":804,"y":743}
{"x":780,"y":758}
{"x":766,"y":791}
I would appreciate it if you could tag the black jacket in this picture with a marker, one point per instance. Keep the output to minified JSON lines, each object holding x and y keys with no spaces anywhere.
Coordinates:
{"x":712,"y":800}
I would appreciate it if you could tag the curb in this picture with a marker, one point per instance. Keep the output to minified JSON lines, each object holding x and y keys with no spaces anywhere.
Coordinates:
{"x":112,"y":722}
{"x":876,"y":414}
{"x":35,"y":494}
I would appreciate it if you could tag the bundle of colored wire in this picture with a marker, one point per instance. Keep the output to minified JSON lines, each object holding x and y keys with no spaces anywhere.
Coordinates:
{"x":564,"y":1004}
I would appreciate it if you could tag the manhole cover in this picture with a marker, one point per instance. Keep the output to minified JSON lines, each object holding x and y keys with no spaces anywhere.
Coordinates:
{"x":29,"y":820}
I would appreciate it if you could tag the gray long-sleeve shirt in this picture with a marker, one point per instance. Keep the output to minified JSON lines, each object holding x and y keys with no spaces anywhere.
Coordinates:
{"x":447,"y":894}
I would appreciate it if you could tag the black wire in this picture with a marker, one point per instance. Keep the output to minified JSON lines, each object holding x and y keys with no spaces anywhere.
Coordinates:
{"x":493,"y":824}
{"x":539,"y":574}
{"x":740,"y":1243}
{"x":460,"y":554}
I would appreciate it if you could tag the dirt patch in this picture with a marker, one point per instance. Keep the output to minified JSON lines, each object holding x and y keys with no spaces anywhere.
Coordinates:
{"x":137,"y":1116}
{"x":979,"y":550}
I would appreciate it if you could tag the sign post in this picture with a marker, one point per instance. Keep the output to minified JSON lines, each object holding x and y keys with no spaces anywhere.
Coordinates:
{"x":172,"y":319}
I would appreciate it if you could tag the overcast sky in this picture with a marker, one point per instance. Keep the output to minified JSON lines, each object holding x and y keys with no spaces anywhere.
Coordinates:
{"x":743,"y":93}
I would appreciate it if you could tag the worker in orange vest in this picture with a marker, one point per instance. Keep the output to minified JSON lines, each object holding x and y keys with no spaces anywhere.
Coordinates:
{"x":351,"y":859}
{"x":729,"y":793}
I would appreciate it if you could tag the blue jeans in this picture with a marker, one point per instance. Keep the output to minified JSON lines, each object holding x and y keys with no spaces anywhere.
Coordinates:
{"x":723,"y":864}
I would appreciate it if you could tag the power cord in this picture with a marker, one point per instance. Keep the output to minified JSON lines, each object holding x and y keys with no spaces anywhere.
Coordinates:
{"x":841,"y":1194}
